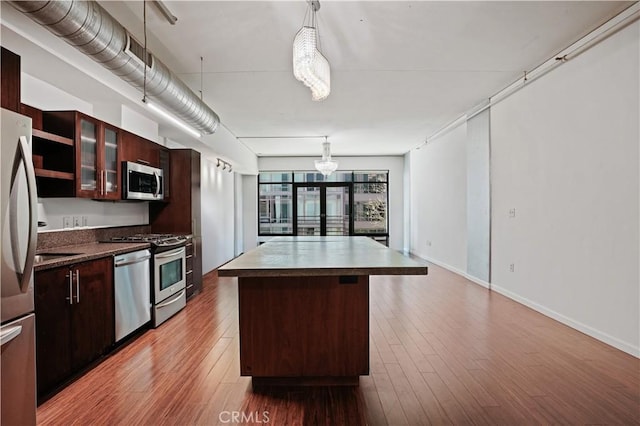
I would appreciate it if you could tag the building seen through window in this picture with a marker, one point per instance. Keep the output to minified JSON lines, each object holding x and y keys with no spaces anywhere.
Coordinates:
{"x":307,"y":203}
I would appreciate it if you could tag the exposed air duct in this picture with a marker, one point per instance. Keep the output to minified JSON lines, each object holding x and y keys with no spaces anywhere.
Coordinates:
{"x":90,"y":29}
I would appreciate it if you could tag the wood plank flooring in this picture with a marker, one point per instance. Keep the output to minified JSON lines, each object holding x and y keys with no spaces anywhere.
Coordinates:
{"x":443,"y":351}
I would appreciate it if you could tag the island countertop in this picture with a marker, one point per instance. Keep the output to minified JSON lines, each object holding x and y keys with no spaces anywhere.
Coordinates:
{"x":321,"y":256}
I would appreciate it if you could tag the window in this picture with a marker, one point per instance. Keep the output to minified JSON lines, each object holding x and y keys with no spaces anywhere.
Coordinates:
{"x":274,"y":207}
{"x":368,"y":206}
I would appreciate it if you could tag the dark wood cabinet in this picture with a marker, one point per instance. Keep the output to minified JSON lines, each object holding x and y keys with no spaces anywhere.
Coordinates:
{"x":54,"y":164}
{"x":10,"y":78}
{"x":165,"y":165}
{"x":140,"y":150}
{"x":189,"y":268}
{"x":74,"y":319}
{"x":53,"y":328}
{"x":97,"y":152}
{"x":182,"y":214}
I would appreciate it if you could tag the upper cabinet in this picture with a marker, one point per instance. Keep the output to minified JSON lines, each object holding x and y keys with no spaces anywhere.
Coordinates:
{"x":140,"y":150}
{"x":97,"y":152}
{"x":10,"y":90}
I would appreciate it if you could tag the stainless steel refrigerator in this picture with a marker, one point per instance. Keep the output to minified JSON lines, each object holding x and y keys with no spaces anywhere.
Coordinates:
{"x":19,"y":237}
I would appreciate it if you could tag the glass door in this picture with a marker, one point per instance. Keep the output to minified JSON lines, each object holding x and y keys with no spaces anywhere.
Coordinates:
{"x":337,"y":215}
{"x":88,"y":156}
{"x":308,"y":212}
{"x":111,"y":170}
{"x":322,"y":209}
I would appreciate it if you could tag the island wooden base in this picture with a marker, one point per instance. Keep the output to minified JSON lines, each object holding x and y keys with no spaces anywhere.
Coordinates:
{"x":304,"y":329}
{"x":259,"y":382}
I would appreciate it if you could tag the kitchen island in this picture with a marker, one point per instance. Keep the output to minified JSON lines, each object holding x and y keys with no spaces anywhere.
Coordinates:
{"x":304,"y":307}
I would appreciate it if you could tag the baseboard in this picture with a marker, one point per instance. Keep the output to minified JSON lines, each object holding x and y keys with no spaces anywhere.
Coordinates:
{"x":456,"y":271}
{"x":589,"y":331}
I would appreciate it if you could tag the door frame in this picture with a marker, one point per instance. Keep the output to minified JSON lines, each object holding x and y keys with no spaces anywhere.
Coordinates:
{"x":323,"y":203}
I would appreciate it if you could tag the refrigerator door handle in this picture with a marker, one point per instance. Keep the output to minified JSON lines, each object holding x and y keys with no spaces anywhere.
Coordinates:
{"x":25,"y":155}
{"x":10,"y":333}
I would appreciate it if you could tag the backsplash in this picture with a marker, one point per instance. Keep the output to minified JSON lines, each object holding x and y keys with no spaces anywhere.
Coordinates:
{"x":74,"y":213}
{"x":48,"y":240}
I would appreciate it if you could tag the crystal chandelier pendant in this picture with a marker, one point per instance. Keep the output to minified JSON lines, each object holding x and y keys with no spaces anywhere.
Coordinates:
{"x":326,"y":166}
{"x":310,"y":66}
{"x":304,"y":50}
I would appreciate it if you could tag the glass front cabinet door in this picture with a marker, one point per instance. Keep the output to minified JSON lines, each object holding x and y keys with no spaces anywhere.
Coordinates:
{"x":98,"y":159}
{"x":87,"y":144}
{"x":111,"y":164}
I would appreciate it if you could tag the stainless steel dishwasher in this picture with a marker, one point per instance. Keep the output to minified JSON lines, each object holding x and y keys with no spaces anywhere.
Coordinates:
{"x":132,"y":281}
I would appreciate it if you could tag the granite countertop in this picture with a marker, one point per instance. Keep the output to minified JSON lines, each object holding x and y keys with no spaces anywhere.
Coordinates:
{"x":321,"y":256}
{"x":84,"y":252}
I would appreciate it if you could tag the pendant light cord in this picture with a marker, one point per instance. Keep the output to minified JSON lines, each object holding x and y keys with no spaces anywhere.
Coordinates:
{"x":201,"y":75}
{"x":144,"y":62}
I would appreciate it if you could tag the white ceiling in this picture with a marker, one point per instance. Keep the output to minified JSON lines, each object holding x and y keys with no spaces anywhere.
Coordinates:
{"x":400,"y":71}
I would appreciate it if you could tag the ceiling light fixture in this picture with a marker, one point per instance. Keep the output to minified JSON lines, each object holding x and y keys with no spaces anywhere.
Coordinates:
{"x":171,"y":118}
{"x":224,"y":164}
{"x":326,"y":166}
{"x":310,"y":66}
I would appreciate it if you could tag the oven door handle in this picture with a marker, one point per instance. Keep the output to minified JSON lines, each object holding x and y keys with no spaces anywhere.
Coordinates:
{"x":174,"y":300}
{"x":171,"y":253}
{"x":131,"y":262}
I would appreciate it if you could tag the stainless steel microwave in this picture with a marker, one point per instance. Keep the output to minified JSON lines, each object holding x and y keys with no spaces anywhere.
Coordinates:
{"x":141,"y":182}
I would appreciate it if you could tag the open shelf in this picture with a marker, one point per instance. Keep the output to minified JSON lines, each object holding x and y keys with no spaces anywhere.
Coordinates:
{"x":51,"y":137}
{"x":54,"y":174}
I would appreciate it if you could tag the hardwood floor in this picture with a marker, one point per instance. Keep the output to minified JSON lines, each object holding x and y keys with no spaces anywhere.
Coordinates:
{"x":443,"y":351}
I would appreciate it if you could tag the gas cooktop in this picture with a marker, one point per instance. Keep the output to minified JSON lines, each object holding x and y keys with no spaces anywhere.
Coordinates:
{"x":159,"y":240}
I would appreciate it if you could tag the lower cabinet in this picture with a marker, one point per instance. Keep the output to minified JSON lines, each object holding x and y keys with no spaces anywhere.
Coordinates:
{"x":74,"y":319}
{"x":189,"y":272}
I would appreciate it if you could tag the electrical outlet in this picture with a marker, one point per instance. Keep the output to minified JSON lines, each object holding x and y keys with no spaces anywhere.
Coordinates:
{"x":512,"y":212}
{"x":512,"y":267}
{"x":85,"y":221}
{"x":66,"y":222}
{"x":77,"y":221}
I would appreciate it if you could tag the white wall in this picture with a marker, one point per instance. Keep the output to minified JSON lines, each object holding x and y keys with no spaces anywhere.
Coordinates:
{"x":218,"y":216}
{"x":565,"y":156}
{"x":44,"y":96}
{"x":395,"y":165}
{"x":138,"y":124}
{"x":249,"y":212}
{"x":478,"y":197}
{"x":239,"y":211}
{"x":406,"y":193}
{"x":438,"y":200}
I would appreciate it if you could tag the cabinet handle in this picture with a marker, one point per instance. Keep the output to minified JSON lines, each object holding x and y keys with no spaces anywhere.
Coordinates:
{"x":70,"y":298}
{"x":77,"y":286}
{"x":104,"y":181}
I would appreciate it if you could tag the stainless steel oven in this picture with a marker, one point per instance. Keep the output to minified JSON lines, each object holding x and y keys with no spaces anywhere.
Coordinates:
{"x":169,"y":282}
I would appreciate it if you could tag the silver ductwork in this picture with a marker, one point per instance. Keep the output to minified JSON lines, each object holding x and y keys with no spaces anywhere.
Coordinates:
{"x":92,"y":30}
